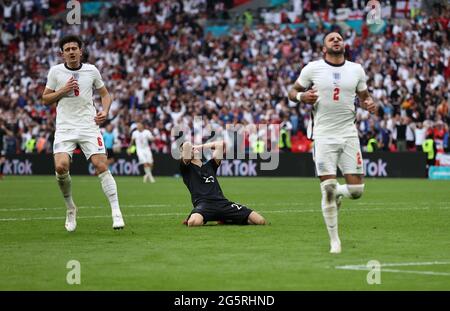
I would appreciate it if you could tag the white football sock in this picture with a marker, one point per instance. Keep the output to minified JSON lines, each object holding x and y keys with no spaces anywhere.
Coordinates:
{"x":329,"y":208}
{"x":148,"y":172}
{"x":343,"y":190}
{"x":65,"y":185}
{"x":350,"y":191}
{"x":110,"y":189}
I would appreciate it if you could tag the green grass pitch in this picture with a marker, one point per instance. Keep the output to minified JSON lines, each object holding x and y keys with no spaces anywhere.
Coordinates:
{"x":403,"y":224}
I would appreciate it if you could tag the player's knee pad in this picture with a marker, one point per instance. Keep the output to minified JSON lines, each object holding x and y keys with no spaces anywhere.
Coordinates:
{"x":356,"y":191}
{"x":329,"y":189}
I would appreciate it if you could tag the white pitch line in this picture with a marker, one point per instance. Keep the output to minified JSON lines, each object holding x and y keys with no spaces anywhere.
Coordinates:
{"x":187,"y":211}
{"x":401,"y":264}
{"x":416,"y":272}
{"x":90,"y":217}
{"x":80,"y":207}
{"x":426,"y":205}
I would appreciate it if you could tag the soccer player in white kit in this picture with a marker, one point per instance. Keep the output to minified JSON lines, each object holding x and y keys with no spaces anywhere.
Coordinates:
{"x":330,"y":85}
{"x":141,"y":137}
{"x":71,"y":85}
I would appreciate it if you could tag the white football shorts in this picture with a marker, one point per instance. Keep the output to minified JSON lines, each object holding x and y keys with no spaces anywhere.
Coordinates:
{"x":345,"y":153}
{"x":145,"y":156}
{"x":90,"y":142}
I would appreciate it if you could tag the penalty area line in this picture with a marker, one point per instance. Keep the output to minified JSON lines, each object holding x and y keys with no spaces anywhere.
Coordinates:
{"x":400,"y":264}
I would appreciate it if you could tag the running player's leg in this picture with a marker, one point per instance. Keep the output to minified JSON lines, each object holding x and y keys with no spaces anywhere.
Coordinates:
{"x":109,"y":186}
{"x":143,"y":161}
{"x":63,"y":148}
{"x":146,"y":158}
{"x":148,"y":172}
{"x":325,"y":158}
{"x":351,"y":165}
{"x":150,"y":166}
{"x":94,"y":150}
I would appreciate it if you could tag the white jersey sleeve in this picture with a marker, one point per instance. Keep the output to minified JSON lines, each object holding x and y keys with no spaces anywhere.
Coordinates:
{"x":305,"y":78}
{"x":98,"y":81}
{"x":362,"y":85}
{"x":51,"y":80}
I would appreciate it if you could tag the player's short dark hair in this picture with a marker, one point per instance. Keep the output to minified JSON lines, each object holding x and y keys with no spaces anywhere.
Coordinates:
{"x":329,"y":32}
{"x":70,"y":38}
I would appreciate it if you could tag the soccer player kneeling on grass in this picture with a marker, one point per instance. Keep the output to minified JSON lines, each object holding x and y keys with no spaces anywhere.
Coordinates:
{"x":207,"y":197}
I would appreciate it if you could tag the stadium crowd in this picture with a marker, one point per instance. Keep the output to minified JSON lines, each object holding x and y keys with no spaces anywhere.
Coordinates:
{"x":163,"y":69}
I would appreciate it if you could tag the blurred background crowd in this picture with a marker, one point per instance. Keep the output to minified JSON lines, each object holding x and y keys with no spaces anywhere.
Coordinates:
{"x":163,"y":67}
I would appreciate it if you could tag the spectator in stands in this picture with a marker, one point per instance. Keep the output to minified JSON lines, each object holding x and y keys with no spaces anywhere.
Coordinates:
{"x":400,"y":133}
{"x":184,"y":72}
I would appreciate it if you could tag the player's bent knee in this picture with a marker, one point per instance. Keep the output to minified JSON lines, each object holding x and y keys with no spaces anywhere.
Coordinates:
{"x":329,"y":189}
{"x":100,"y":167}
{"x":195,"y":220}
{"x":255,"y":219}
{"x":61,"y":169}
{"x":356,"y":191}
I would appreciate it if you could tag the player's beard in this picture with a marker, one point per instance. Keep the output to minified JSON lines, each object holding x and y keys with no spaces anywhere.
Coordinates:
{"x":339,"y":52}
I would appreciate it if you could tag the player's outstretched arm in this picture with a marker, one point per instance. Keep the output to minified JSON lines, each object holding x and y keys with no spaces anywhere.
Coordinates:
{"x":106,"y":104}
{"x":366,"y":101}
{"x":51,"y":96}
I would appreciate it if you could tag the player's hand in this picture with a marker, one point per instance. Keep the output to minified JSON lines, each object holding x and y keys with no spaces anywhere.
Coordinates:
{"x":370,"y":105}
{"x":310,"y":97}
{"x":197,"y":151}
{"x":71,"y":85}
{"x":100,"y":117}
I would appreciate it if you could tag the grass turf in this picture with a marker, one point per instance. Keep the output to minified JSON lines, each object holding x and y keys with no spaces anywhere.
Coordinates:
{"x":396,"y":221}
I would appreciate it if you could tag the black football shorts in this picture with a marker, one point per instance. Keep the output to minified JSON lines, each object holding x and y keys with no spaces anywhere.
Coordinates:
{"x":226,"y":212}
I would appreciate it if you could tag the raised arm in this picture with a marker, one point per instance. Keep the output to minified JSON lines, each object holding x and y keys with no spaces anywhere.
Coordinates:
{"x":186,"y":152}
{"x":217,"y":146}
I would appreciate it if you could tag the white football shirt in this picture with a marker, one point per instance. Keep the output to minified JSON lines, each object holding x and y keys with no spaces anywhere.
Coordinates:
{"x":334,"y":112}
{"x":141,"y":139}
{"x":75,"y":112}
